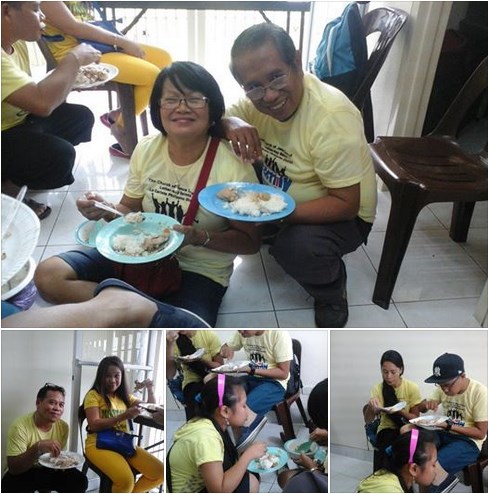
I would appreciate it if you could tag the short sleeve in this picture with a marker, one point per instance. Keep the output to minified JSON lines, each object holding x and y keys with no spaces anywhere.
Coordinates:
{"x":235,"y":342}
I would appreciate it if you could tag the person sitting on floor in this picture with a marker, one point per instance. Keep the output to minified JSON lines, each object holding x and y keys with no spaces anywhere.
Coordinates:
{"x":270,"y":353}
{"x":33,"y":435}
{"x":39,"y":129}
{"x":203,"y":457}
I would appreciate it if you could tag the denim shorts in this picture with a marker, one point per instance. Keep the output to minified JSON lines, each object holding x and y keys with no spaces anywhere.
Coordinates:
{"x":455,"y":451}
{"x":198,"y":293}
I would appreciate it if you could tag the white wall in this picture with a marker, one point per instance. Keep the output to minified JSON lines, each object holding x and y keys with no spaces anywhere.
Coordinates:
{"x":355,"y":369}
{"x":314,"y":357}
{"x":29,"y":360}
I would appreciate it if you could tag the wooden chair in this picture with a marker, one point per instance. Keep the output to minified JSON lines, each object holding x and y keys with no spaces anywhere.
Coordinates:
{"x":423,"y":170}
{"x":388,"y":22}
{"x":282,"y":409}
{"x":472,"y":474}
{"x":125,"y":94}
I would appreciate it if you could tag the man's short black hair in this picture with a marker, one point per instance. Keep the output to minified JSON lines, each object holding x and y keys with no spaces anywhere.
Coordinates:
{"x":41,"y":394}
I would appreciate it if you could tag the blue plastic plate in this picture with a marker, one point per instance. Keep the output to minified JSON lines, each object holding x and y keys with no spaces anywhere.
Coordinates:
{"x":86,"y":233}
{"x":208,"y":199}
{"x":254,"y":465}
{"x":153,"y":224}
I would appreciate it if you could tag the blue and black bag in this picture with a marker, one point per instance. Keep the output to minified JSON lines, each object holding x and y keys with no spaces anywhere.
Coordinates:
{"x":342,"y":54}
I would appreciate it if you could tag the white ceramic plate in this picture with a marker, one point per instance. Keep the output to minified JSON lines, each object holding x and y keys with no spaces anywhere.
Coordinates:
{"x":21,"y":239}
{"x":429,"y":421}
{"x":194,"y":356}
{"x":231,"y":367}
{"x":48,"y":461}
{"x":110,"y":70}
{"x":20,"y":280}
{"x":394,"y":408}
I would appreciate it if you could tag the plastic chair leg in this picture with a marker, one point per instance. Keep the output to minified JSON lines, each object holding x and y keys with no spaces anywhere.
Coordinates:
{"x":406,"y":204}
{"x":461,"y":216}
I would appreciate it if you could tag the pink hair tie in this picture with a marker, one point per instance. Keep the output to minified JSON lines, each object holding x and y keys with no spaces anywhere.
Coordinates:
{"x":221,"y":380}
{"x":412,"y":445}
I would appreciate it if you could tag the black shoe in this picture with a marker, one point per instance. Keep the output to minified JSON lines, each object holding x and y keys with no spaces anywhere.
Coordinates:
{"x":333,"y":313}
{"x":249,"y":433}
{"x":447,"y":485}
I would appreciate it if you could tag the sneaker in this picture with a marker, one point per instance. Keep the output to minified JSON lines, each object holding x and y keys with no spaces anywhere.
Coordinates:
{"x":248,"y":434}
{"x":167,"y":316}
{"x":447,"y":485}
{"x":328,"y":314}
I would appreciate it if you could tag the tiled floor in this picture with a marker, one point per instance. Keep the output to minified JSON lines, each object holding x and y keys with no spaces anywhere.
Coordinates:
{"x":347,"y":472}
{"x":270,"y":434}
{"x":439,"y":284}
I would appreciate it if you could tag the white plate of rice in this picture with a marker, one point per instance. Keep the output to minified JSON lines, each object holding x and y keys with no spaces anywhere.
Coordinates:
{"x":243,"y":201}
{"x":127,"y":243}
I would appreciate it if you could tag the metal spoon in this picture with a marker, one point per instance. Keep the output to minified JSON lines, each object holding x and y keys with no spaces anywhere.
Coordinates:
{"x":103,"y":206}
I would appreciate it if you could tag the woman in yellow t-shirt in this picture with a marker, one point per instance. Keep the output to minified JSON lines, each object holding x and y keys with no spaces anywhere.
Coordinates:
{"x":108,"y":405}
{"x":138,"y":64}
{"x":203,"y":455}
{"x":413,"y":461}
{"x":393,"y":389}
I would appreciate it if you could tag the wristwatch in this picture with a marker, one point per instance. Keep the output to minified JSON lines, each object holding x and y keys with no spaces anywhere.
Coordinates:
{"x":449,"y":423}
{"x":252,"y":368}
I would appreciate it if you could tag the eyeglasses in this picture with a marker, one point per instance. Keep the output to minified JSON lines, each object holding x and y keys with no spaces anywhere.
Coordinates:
{"x":448,"y":385}
{"x":277,"y":84}
{"x":194,"y":103}
{"x":412,"y":444}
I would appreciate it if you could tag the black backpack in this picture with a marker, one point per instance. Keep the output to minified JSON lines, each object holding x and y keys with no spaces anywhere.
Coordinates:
{"x":294,"y":383}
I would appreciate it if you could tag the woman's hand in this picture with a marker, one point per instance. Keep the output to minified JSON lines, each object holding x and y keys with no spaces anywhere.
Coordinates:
{"x":86,"y":207}
{"x":374,"y":405}
{"x":256,"y":450}
{"x":319,"y":435}
{"x":193,"y":236}
{"x":172,"y":336}
{"x":132,"y":412}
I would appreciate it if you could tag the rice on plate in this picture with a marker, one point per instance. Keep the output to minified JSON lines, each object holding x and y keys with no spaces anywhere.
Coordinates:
{"x":252,"y":203}
{"x":140,"y":244}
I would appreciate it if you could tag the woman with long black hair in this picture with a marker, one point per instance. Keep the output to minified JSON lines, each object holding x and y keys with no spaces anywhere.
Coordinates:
{"x":393,"y":389}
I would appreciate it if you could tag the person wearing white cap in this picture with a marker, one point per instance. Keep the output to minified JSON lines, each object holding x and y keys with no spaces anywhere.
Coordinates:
{"x":464,"y":402}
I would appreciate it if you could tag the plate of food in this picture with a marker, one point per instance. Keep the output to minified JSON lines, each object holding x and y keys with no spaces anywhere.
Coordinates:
{"x":271,"y":461}
{"x":20,"y":240}
{"x":231,"y":367}
{"x":151,"y":407}
{"x":190,"y":358}
{"x":132,"y":242}
{"x":86,"y":233}
{"x":394,"y":408}
{"x":65,"y":460}
{"x":430,"y":422}
{"x":242,"y":201}
{"x":94,"y":75}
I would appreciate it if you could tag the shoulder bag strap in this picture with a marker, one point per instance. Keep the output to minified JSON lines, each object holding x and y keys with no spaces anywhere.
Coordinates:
{"x":203,"y":177}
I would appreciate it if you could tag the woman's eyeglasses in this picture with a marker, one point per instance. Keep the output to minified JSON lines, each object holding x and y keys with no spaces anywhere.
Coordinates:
{"x":195,"y":103}
{"x":277,"y":84}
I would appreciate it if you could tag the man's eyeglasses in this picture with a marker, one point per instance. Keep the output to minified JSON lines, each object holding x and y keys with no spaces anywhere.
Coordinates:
{"x":277,"y":84}
{"x":449,"y":384}
{"x":195,"y":103}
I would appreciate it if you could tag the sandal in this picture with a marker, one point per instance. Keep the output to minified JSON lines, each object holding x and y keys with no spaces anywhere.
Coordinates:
{"x":108,"y":119}
{"x":116,"y":150}
{"x":42,"y":210}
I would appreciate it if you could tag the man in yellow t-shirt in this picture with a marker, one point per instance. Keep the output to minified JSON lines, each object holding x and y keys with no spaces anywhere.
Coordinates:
{"x":310,"y":141}
{"x":39,"y":129}
{"x":36,"y":434}
{"x":269,"y":353}
{"x":464,"y":402}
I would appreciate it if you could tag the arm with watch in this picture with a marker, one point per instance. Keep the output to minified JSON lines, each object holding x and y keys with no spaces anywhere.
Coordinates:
{"x":279,"y":373}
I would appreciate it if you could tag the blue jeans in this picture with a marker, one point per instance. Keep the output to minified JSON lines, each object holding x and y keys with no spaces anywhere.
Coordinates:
{"x":455,"y":451}
{"x":262,"y":393}
{"x":198,"y":293}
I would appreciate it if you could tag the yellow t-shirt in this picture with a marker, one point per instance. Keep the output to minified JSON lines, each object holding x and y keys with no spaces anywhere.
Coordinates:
{"x":16,"y":74}
{"x":23,"y":433}
{"x":195,"y":443}
{"x":167,"y":188}
{"x":321,"y":146}
{"x":408,"y":391}
{"x":117,"y":406}
{"x":380,"y":481}
{"x":266,"y":350}
{"x":209,"y":341}
{"x":467,"y":408}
